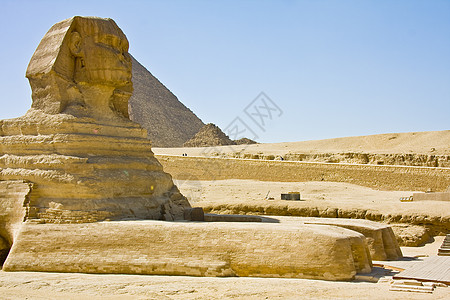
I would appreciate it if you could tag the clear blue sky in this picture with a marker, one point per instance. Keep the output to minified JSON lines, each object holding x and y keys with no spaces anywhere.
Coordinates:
{"x":335,"y":68}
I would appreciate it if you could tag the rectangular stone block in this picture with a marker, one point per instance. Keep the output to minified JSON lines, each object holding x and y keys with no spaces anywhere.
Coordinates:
{"x":290,"y":196}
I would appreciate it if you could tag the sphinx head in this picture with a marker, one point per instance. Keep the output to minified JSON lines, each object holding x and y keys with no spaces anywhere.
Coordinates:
{"x":81,"y":54}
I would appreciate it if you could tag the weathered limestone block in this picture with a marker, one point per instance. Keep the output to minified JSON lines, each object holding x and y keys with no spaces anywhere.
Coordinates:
{"x":86,"y":159}
{"x":380,"y":238}
{"x":191,"y":248}
{"x":13,"y":202}
{"x":411,"y":235}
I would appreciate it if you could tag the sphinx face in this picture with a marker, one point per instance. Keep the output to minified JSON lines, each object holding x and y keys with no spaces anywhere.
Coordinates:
{"x":104,"y":60}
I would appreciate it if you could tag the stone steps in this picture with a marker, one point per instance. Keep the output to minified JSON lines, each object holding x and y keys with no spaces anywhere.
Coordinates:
{"x":444,"y":250}
{"x":411,"y":286}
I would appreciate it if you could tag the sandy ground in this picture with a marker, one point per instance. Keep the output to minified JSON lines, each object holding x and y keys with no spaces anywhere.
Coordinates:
{"x":428,"y":142}
{"x":428,"y":249}
{"x":315,"y":194}
{"x":29,"y":285}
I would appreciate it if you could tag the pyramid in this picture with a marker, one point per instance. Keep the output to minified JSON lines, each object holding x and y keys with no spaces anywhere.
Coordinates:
{"x":245,"y":141}
{"x":209,"y":135}
{"x":168,"y":121}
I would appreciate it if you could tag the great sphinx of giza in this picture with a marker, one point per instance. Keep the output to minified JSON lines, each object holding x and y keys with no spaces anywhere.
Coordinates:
{"x":76,"y":148}
{"x":80,"y":189}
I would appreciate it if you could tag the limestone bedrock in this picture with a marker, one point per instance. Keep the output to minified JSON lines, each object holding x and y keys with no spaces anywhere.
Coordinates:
{"x":192,"y":248}
{"x":76,"y":157}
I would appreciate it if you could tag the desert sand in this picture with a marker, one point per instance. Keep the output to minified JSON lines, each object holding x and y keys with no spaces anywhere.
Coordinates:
{"x":427,"y":142}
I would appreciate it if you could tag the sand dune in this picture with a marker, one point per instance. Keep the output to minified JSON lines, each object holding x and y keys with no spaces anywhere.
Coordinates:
{"x":427,"y":142}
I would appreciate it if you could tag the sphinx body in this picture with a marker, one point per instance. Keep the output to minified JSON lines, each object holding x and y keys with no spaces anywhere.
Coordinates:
{"x":76,"y":148}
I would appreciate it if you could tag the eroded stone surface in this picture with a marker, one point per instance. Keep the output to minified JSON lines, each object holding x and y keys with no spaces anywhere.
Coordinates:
{"x":380,"y":238}
{"x":411,"y":235}
{"x":187,"y":248}
{"x":13,"y":208}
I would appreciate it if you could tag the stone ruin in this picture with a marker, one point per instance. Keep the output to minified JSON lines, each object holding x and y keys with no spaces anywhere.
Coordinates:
{"x":208,"y":136}
{"x":80,"y":189}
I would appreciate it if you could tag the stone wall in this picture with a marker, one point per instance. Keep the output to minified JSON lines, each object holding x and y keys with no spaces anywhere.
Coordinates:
{"x":374,"y":176}
{"x":401,"y":159}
